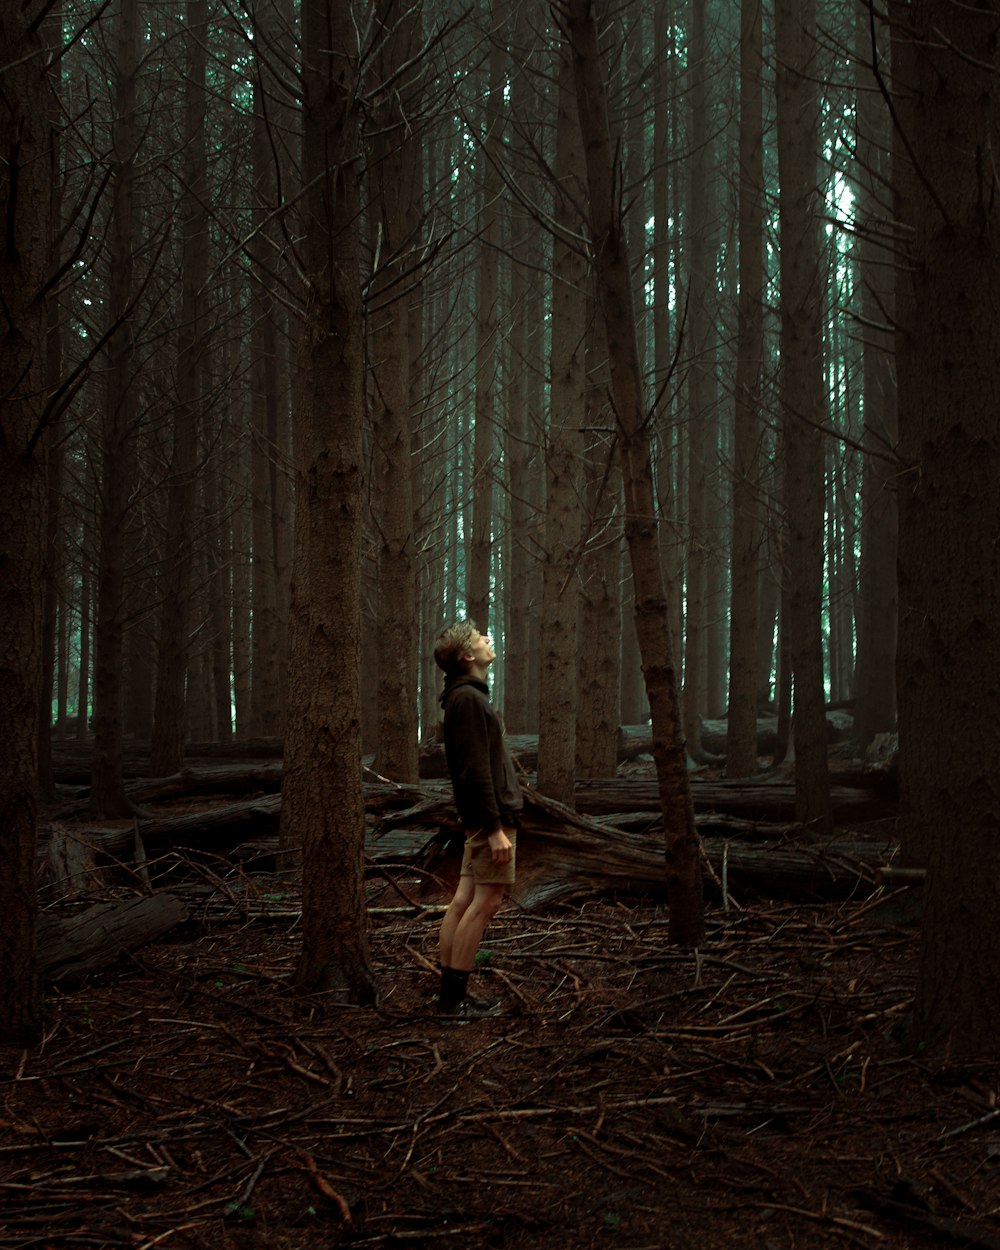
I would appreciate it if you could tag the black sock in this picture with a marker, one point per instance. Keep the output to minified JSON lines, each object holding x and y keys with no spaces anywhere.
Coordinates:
{"x":454,"y":983}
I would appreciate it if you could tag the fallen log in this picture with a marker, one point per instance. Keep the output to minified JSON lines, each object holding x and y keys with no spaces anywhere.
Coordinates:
{"x":566,"y":851}
{"x":562,"y":852}
{"x":755,"y":799}
{"x":72,"y":947}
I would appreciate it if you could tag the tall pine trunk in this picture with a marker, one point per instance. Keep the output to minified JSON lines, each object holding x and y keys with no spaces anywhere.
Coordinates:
{"x":392,"y":175}
{"x":741,"y":738}
{"x":949,"y":624}
{"x":24,"y":245}
{"x":802,"y":399}
{"x":875,"y":710}
{"x":169,"y":716}
{"x":322,"y":806}
{"x":558,"y":685}
{"x":120,"y":417}
{"x":683,"y":869}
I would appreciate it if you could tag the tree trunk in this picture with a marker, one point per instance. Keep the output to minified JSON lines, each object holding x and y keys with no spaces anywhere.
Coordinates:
{"x":802,"y":397}
{"x":169,"y":716}
{"x":524,"y":415}
{"x":487,"y":405}
{"x":323,"y":807}
{"x":876,"y":652}
{"x":559,"y":686}
{"x":392,"y":174}
{"x":665,"y":295}
{"x":949,"y":641}
{"x":24,"y":244}
{"x":600,"y":566}
{"x":683,"y":876}
{"x":741,"y":744}
{"x":55,"y":633}
{"x":107,"y":793}
{"x":701,"y":393}
{"x":266,"y":709}
{"x":83,"y":683}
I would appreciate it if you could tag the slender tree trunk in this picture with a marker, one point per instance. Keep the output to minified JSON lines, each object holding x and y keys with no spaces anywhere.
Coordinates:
{"x":600,"y":602}
{"x":598,"y":716}
{"x":802,"y":399}
{"x":322,"y":806}
{"x":107,"y":793}
{"x":949,"y":639}
{"x":683,"y":871}
{"x":266,"y":708}
{"x":487,"y":326}
{"x":522,"y":442}
{"x":701,"y":396}
{"x":392,"y":175}
{"x":558,"y":687}
{"x":55,"y":600}
{"x":741,"y":738}
{"x":169,"y":715}
{"x":875,"y":710}
{"x":664,"y":342}
{"x":83,"y":682}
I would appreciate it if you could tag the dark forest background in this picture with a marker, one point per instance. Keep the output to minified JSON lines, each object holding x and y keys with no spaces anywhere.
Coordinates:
{"x":312,"y":345}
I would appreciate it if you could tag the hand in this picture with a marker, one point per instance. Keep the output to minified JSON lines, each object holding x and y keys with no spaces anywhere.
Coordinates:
{"x":500,"y":846}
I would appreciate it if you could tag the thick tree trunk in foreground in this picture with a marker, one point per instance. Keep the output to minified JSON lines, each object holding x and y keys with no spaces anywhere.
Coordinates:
{"x":323,"y":807}
{"x":24,"y":244}
{"x":684,"y":885}
{"x":949,"y":645}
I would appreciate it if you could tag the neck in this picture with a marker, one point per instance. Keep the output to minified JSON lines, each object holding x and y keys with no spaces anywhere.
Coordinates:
{"x":478,"y":671}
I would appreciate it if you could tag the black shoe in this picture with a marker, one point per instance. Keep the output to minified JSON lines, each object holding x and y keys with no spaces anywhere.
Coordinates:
{"x":472,"y":1008}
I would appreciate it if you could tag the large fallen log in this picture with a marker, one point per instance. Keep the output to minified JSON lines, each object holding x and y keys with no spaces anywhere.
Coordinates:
{"x":562,"y":853}
{"x":71,"y":947}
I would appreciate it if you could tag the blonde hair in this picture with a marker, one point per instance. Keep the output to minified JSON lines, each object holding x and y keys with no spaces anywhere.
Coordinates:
{"x":452,"y":645}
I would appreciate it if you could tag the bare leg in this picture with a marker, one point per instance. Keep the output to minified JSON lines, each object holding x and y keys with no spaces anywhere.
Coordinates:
{"x":456,"y":910}
{"x":471,"y":925}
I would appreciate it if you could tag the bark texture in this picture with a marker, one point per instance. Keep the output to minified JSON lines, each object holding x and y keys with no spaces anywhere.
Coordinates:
{"x":741,"y":750}
{"x":877,"y":595}
{"x":949,"y":645}
{"x":393,"y":176}
{"x":169,"y":715}
{"x":683,"y":871}
{"x":118,"y":434}
{"x":558,"y":684}
{"x":802,"y":397}
{"x":323,"y":808}
{"x":24,"y":244}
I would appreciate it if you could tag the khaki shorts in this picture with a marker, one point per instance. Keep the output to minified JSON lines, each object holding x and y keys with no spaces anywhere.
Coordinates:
{"x":477,"y":859}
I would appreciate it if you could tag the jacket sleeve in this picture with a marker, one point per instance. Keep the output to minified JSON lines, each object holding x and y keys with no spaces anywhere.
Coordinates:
{"x":472,"y":775}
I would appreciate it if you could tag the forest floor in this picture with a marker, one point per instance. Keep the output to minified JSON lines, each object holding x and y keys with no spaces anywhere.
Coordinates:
{"x":761,"y":1092}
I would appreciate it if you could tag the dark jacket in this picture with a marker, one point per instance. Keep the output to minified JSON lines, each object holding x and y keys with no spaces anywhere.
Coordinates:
{"x":482,"y":773}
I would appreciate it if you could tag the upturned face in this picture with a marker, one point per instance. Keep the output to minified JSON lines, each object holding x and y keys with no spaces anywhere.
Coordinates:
{"x":479,"y":652}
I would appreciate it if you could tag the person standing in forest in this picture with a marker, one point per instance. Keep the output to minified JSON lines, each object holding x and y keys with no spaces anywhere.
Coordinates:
{"x":488,"y":799}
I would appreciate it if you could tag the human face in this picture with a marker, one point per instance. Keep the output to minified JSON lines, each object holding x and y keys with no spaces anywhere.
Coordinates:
{"x":479,"y":653}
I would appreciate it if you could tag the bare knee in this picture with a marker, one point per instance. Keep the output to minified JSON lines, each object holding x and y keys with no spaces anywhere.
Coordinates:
{"x":488,"y":900}
{"x":463,"y":896}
